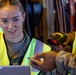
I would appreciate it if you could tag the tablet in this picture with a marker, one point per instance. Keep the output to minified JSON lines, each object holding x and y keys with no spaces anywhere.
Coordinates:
{"x":14,"y":70}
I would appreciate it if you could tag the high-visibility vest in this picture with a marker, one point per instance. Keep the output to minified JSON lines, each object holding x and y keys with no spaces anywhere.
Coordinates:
{"x":35,"y":47}
{"x":74,"y":47}
{"x":1,"y":29}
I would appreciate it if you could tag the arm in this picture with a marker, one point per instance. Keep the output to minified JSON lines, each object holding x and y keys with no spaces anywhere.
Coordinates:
{"x":63,"y":61}
{"x":46,"y":64}
{"x":66,"y":62}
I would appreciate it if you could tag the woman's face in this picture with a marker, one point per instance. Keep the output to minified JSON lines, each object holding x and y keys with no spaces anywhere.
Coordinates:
{"x":11,"y":21}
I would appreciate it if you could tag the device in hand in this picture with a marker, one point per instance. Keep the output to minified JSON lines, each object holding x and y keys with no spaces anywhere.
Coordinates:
{"x":29,"y":58}
{"x":32,"y":61}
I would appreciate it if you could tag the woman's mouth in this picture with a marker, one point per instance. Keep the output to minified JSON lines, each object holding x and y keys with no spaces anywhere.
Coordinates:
{"x":12,"y":32}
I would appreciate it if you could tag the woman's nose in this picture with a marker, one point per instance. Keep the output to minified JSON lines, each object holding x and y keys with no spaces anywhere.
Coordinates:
{"x":10,"y":25}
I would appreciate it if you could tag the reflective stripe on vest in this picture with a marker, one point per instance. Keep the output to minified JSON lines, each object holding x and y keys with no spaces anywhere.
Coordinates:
{"x":38,"y":49}
{"x":32,"y":49}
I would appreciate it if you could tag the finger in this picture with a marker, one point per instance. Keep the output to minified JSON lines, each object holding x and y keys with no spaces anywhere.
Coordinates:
{"x":67,"y":48}
{"x":66,"y":41}
{"x":35,"y":66}
{"x":36,"y":62}
{"x":41,"y":55}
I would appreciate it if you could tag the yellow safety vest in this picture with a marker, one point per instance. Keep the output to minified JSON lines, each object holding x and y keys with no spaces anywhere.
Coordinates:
{"x":1,"y":29}
{"x":74,"y":47}
{"x":35,"y":47}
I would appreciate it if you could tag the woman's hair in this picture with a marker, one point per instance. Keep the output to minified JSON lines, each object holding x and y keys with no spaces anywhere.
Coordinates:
{"x":4,"y":3}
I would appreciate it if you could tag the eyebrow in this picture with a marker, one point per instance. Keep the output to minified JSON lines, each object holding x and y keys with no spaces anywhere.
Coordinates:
{"x":15,"y":17}
{"x":12,"y":18}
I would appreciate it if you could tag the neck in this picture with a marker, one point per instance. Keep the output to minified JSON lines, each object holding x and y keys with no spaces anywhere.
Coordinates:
{"x":15,"y":40}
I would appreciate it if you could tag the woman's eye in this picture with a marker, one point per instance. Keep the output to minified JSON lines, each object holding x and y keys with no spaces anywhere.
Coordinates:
{"x":15,"y":19}
{"x":4,"y":21}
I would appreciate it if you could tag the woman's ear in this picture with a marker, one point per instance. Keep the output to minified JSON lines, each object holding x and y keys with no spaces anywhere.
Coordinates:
{"x":24,"y":15}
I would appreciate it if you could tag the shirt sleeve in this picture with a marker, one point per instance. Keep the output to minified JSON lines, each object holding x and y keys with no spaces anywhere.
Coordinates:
{"x":66,"y":62}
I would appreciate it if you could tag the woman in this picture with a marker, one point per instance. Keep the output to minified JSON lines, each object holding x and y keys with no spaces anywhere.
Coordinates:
{"x":15,"y":44}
